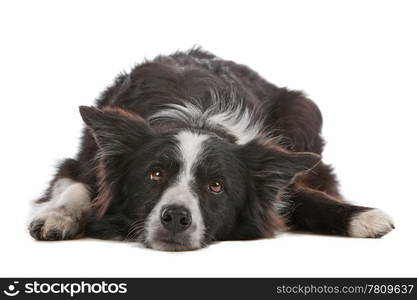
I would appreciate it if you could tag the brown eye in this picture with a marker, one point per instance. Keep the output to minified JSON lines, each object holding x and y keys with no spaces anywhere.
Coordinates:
{"x":156,"y":175}
{"x":216,"y":186}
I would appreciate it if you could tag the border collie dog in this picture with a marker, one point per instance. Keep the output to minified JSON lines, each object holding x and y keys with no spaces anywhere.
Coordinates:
{"x":188,"y":149}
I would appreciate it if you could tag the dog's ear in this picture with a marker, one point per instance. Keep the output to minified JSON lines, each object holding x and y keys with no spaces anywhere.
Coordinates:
{"x":115,"y":130}
{"x":273,"y":166}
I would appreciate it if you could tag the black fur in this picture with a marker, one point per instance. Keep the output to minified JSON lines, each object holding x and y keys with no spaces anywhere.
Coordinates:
{"x":272,"y":182}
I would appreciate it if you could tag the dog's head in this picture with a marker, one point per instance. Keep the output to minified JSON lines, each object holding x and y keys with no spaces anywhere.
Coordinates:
{"x":184,"y":188}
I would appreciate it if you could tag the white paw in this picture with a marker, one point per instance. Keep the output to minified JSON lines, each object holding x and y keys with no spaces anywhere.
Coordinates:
{"x":55,"y":224}
{"x":372,"y":223}
{"x":60,"y":218}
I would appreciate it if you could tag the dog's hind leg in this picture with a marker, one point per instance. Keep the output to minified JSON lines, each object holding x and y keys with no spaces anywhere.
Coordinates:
{"x":61,"y":213}
{"x":315,"y":211}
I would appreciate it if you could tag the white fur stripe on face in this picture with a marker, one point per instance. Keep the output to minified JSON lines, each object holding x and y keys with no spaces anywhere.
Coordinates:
{"x":190,"y":148}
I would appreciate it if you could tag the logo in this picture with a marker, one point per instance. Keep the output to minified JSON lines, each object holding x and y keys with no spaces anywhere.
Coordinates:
{"x":11,"y":289}
{"x":69,"y":288}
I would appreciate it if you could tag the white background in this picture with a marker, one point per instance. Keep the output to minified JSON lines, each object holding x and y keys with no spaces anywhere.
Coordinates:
{"x":356,"y":59}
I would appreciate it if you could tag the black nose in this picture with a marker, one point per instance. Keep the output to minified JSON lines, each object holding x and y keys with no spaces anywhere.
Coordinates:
{"x":176,"y":218}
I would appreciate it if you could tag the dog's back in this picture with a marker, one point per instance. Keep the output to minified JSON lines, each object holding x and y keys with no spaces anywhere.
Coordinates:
{"x":196,"y":88}
{"x":260,"y":137}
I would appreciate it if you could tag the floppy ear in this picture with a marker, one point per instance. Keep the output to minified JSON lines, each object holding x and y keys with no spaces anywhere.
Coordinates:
{"x":115,"y":130}
{"x":274,"y":166}
{"x":270,"y":169}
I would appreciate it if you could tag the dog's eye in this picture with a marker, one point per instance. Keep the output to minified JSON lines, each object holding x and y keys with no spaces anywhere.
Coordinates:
{"x":216,"y":186}
{"x":156,"y":175}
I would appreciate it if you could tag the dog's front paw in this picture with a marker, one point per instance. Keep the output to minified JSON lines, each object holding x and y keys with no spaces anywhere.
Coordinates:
{"x":54,"y":225}
{"x":372,"y":223}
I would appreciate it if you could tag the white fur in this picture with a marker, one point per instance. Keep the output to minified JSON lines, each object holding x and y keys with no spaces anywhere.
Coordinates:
{"x":237,"y":124}
{"x":190,"y":147}
{"x":228,"y":114}
{"x":371,"y":223}
{"x":69,"y":201}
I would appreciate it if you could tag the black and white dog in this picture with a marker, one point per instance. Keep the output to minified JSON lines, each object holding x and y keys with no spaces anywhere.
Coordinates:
{"x":190,"y":148}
